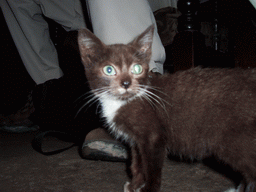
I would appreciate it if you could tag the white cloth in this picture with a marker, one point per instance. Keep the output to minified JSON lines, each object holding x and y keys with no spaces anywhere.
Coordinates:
{"x":30,"y":32}
{"x":158,"y":4}
{"x":113,"y":21}
{"x":123,"y":21}
{"x":253,"y":2}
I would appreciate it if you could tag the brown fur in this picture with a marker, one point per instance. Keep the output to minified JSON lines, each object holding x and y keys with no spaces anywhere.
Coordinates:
{"x":195,"y":113}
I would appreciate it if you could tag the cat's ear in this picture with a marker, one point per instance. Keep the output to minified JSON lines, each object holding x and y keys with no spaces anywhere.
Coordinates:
{"x":90,"y":46}
{"x":144,"y":41}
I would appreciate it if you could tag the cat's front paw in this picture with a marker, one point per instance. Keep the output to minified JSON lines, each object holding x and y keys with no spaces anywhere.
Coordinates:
{"x":127,"y":188}
{"x":231,"y":190}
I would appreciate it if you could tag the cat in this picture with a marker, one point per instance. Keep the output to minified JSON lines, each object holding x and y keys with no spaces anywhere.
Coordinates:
{"x":195,"y":113}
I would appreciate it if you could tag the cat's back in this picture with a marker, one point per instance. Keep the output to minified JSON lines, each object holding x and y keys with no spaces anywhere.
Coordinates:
{"x":209,"y":81}
{"x":209,"y":87}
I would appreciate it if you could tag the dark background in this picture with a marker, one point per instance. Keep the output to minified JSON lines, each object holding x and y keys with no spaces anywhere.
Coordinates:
{"x":239,"y":16}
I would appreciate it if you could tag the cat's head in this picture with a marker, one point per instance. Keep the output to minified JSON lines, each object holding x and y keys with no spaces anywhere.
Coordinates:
{"x":119,"y":70}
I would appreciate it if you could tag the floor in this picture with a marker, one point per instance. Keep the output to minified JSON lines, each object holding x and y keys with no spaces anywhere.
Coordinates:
{"x":24,"y":169}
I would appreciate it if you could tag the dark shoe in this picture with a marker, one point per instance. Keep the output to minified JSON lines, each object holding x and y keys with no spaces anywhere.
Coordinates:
{"x":99,"y":145}
{"x":19,"y":121}
{"x":22,"y":127}
{"x":56,"y":107}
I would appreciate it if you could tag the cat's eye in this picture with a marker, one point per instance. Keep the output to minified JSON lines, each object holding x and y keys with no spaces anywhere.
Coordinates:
{"x":109,"y":70}
{"x":137,"y":69}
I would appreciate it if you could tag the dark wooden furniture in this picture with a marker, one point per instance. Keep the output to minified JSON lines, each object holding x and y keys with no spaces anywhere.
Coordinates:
{"x":188,"y":48}
{"x":189,"y":42}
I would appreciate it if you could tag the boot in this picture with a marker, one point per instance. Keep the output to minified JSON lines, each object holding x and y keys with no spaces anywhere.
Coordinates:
{"x":55,"y":107}
{"x":19,"y":121}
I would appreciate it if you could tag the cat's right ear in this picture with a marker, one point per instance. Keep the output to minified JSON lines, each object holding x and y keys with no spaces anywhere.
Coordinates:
{"x":90,"y":47}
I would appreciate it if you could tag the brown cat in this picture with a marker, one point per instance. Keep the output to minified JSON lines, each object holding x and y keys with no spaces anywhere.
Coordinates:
{"x":197,"y":113}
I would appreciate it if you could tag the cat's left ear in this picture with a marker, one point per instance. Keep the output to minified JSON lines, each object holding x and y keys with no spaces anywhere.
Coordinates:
{"x":91,"y":48}
{"x":144,"y":41}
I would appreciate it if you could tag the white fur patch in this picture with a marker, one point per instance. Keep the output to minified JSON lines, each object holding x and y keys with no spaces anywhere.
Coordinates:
{"x":126,"y":186}
{"x":110,"y":107}
{"x":230,"y":190}
{"x":128,"y":183}
{"x":120,"y":134}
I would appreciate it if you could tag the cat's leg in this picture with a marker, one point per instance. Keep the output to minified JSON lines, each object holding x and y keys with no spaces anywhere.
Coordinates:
{"x":127,"y":188}
{"x":137,"y":169}
{"x":147,"y":163}
{"x":248,"y":170}
{"x":244,"y":162}
{"x":138,"y":179}
{"x":231,"y":190}
{"x":247,"y":185}
{"x":250,"y":187}
{"x":240,"y":188}
{"x":152,"y":157}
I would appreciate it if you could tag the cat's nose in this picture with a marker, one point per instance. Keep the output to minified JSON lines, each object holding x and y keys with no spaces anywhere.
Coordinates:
{"x":126,"y":84}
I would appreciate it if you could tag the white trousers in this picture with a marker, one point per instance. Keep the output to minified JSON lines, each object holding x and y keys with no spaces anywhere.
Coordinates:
{"x":253,"y":2}
{"x":113,"y":21}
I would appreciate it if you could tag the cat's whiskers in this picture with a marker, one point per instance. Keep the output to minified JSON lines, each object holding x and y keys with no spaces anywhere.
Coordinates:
{"x":151,"y":97}
{"x":157,"y":89}
{"x":144,"y":96}
{"x":95,"y":97}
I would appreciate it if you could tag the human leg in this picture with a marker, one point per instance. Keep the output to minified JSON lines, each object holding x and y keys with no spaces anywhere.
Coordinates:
{"x":31,"y":36}
{"x":121,"y":21}
{"x":67,"y":13}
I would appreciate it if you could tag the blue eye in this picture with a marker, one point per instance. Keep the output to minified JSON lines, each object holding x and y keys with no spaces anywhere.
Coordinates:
{"x":137,"y":69}
{"x":109,"y":70}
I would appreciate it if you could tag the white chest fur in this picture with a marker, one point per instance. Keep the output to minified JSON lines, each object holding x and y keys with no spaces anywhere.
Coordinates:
{"x":110,"y":108}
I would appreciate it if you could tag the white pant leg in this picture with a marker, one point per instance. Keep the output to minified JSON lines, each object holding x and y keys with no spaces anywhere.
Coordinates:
{"x":253,"y":2}
{"x":30,"y":32}
{"x":113,"y":21}
{"x":120,"y":21}
{"x":68,"y":13}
